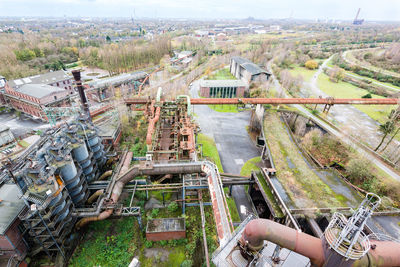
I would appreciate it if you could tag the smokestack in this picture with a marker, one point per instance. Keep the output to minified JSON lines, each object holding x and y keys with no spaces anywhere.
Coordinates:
{"x":80,"y":88}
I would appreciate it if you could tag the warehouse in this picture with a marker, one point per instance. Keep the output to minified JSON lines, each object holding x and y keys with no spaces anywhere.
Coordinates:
{"x":222,"y":88}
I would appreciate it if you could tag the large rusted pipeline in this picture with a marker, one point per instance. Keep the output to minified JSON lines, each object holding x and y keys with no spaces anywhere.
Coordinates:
{"x":381,"y":254}
{"x":139,"y":171}
{"x":152,"y":124}
{"x":330,"y":101}
{"x":258,"y":230}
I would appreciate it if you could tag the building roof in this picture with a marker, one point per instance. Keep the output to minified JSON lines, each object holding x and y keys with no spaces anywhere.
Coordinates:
{"x":119,"y":79}
{"x":222,"y":83}
{"x":10,"y":205}
{"x":4,"y":128}
{"x":249,"y":66}
{"x":46,"y":78}
{"x":38,"y":90}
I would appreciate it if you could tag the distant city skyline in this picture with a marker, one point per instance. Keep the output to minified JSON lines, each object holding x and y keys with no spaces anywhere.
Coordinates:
{"x":384,"y":10}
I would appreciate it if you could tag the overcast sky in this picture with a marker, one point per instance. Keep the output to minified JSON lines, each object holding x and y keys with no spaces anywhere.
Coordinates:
{"x":261,"y":9}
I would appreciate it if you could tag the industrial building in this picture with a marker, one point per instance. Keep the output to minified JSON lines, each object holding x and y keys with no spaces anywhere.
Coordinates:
{"x":2,"y":90}
{"x":127,"y":83}
{"x":31,"y":99}
{"x":48,"y":188}
{"x":12,"y":242}
{"x":58,"y":78}
{"x":245,"y":70}
{"x":6,"y":135}
{"x":223,"y":88}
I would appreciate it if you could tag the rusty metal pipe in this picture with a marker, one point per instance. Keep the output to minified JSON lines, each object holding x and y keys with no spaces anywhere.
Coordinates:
{"x":152,"y":124}
{"x":258,"y":230}
{"x":233,"y":101}
{"x":139,"y":171}
{"x":328,"y":101}
{"x":94,"y":196}
{"x":105,"y":175}
{"x":81,"y":88}
{"x":381,"y":254}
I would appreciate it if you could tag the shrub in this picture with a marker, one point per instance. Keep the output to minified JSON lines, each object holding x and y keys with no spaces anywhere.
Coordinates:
{"x":359,"y":171}
{"x":155,"y":212}
{"x":367,"y":96}
{"x":148,"y":244}
{"x":187,"y":263}
{"x":311,"y":64}
{"x":172,"y":207}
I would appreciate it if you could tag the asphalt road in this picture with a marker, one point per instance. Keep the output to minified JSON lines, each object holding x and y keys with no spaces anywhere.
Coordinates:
{"x":233,"y":143}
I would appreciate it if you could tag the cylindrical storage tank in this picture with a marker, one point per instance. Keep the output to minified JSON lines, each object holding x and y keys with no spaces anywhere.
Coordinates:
{"x":80,"y":153}
{"x":74,"y":182}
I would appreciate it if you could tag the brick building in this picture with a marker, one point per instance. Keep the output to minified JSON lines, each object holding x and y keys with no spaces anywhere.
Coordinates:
{"x":245,"y":70}
{"x":222,"y":88}
{"x":57,"y":78}
{"x":11,"y":240}
{"x":32,"y":98}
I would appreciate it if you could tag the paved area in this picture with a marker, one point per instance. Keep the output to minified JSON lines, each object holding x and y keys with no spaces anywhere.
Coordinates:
{"x":233,"y":143}
{"x":21,"y":126}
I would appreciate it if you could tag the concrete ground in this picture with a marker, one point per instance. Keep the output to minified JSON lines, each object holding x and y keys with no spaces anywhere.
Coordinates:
{"x":23,"y":125}
{"x":233,"y":143}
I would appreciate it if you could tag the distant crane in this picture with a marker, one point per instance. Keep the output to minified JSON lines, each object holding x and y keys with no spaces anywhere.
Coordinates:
{"x":357,"y":21}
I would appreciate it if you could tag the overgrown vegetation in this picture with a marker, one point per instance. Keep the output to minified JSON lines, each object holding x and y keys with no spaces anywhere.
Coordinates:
{"x":210,"y":150}
{"x":329,"y":151}
{"x":301,"y":183}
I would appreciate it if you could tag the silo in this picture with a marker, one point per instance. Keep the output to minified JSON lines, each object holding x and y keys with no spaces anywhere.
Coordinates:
{"x":80,"y":152}
{"x":59,"y":157}
{"x":47,"y":218}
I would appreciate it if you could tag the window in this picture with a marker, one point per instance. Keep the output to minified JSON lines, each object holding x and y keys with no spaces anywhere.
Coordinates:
{"x":58,"y":84}
{"x":55,"y":97}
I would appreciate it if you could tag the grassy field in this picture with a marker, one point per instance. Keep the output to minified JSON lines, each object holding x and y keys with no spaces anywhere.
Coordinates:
{"x":210,"y":150}
{"x":347,"y":90}
{"x":302,"y":185}
{"x":249,"y":166}
{"x":224,"y":108}
{"x":222,"y":74}
{"x":304,"y":72}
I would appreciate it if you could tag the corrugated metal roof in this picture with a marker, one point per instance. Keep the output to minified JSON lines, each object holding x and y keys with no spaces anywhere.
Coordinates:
{"x":249,"y":66}
{"x":10,"y":206}
{"x":118,"y":79}
{"x":222,"y":83}
{"x":38,"y":90}
{"x":240,"y":60}
{"x":46,"y":78}
{"x":4,"y":128}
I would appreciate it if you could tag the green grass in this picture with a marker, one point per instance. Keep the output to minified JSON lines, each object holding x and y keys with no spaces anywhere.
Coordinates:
{"x":224,"y":108}
{"x":210,"y":150}
{"x":232,"y":206}
{"x":270,"y":196}
{"x":249,"y":166}
{"x":347,"y":90}
{"x":302,"y":184}
{"x":304,"y":72}
{"x":222,"y":74}
{"x":373,"y":80}
{"x":176,"y":257}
